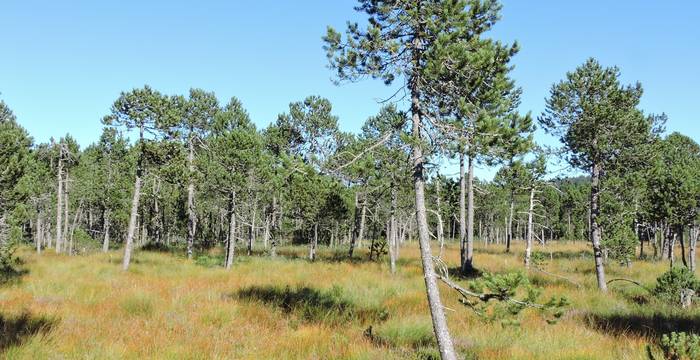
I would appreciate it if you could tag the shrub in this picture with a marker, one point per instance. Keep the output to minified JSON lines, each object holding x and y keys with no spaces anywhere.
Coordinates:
{"x":669,"y":284}
{"x":678,"y":346}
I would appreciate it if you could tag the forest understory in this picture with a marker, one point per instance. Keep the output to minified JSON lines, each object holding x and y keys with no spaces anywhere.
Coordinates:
{"x":166,"y":307}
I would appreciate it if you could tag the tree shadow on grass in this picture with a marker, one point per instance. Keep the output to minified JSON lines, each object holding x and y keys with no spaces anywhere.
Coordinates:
{"x":16,"y":330}
{"x":650,"y":326}
{"x":312,"y":305}
{"x":470,"y":274}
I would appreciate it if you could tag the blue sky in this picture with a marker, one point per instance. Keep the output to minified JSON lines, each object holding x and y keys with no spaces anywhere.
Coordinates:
{"x":63,"y":63}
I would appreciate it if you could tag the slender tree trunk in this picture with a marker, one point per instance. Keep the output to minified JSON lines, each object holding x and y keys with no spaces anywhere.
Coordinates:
{"x":314,"y":244}
{"x":133,"y":217}
{"x":393,"y":243}
{"x":356,"y":226}
{"x":470,"y":216}
{"x":462,"y":212}
{"x":444,"y":340}
{"x":363,"y":223}
{"x":691,"y":247}
{"x":59,"y":201}
{"x":266,"y":233}
{"x":595,"y":229}
{"x":251,"y":233}
{"x":66,"y":206}
{"x":192,"y":217}
{"x":672,"y":247}
{"x":275,"y":228}
{"x":509,"y":223}
{"x":440,"y":229}
{"x":231,"y":246}
{"x":39,"y":229}
{"x":681,"y":239}
{"x":530,"y":230}
{"x":105,"y":230}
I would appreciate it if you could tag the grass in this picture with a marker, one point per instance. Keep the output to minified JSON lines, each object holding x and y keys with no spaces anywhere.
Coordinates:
{"x":166,"y":307}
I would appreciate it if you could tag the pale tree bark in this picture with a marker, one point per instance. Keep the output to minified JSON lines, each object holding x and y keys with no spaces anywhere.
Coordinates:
{"x":59,"y":201}
{"x":133,"y":217}
{"x":275,"y":228}
{"x":442,"y":334}
{"x":66,"y":235}
{"x":356,"y":226}
{"x":462,"y":212}
{"x":192,"y":217}
{"x":469,"y":265}
{"x":105,"y":230}
{"x":266,"y":233}
{"x":530,"y":230}
{"x":363,"y":222}
{"x":231,"y":246}
{"x":37,"y":236}
{"x":691,"y":247}
{"x":509,"y":223}
{"x":314,"y":244}
{"x":595,"y":229}
{"x":393,"y":241}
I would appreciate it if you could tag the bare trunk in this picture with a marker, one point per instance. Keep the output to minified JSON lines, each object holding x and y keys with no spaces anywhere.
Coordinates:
{"x":275,"y":229}
{"x":442,"y":334}
{"x":462,"y":212}
{"x":509,"y":223}
{"x":266,"y":233}
{"x":39,"y":229}
{"x":691,"y":247}
{"x":191,"y":222}
{"x":251,"y":234}
{"x":595,"y":229}
{"x":314,"y":244}
{"x":356,"y":226}
{"x":681,"y":239}
{"x":530,"y":230}
{"x":59,"y":201}
{"x":393,"y":243}
{"x":133,"y":217}
{"x":363,"y":222}
{"x":469,"y":264}
{"x":105,"y":230}
{"x":231,"y":246}
{"x":66,"y":206}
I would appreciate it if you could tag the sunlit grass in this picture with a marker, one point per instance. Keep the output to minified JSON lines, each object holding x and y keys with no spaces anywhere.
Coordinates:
{"x":166,"y":307}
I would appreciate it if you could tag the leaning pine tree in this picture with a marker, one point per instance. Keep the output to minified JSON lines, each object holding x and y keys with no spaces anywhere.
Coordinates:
{"x":402,"y":40}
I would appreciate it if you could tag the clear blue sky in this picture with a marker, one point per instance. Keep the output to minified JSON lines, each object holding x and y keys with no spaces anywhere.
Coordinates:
{"x":64,"y":62}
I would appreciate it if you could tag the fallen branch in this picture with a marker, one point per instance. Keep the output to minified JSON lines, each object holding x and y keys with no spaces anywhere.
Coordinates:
{"x":578,"y":285}
{"x":629,"y":281}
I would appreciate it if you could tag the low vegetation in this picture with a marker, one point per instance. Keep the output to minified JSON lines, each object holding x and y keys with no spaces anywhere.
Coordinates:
{"x":168,"y":307}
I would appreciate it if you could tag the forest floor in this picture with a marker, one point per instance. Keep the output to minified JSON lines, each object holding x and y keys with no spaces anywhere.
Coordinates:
{"x":165,"y":307}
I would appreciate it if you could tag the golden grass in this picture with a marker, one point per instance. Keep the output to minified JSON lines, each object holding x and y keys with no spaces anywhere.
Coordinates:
{"x":165,"y":307}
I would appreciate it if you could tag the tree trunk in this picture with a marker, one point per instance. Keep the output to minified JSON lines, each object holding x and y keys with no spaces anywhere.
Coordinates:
{"x":393,"y":243}
{"x":509,"y":223}
{"x":437,"y":313}
{"x":37,"y":236}
{"x":681,"y":239}
{"x":105,"y":230}
{"x":251,"y":233}
{"x":134,"y":204}
{"x":462,"y":213}
{"x":468,"y":266}
{"x":59,"y":201}
{"x":231,"y":246}
{"x":595,"y":229}
{"x":192,"y":217}
{"x":530,"y":230}
{"x":363,"y":223}
{"x":266,"y":233}
{"x":691,"y":247}
{"x":356,"y":226}
{"x":275,"y":228}
{"x":66,"y":206}
{"x":314,"y":244}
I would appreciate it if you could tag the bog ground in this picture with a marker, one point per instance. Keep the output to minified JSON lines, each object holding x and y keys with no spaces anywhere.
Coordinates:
{"x":165,"y":307}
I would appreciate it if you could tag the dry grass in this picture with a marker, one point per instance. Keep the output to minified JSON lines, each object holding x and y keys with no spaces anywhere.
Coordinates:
{"x":165,"y":307}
